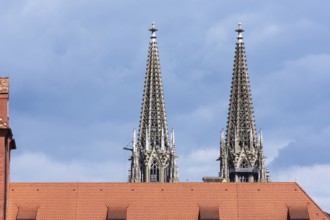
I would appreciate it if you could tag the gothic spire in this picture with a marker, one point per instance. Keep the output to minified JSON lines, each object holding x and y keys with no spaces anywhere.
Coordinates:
{"x":241,"y":115}
{"x":241,"y":156}
{"x":156,"y":159}
{"x":153,"y":115}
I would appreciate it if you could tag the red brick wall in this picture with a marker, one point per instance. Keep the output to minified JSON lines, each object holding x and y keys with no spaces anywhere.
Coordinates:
{"x":3,"y":175}
{"x":5,"y":145}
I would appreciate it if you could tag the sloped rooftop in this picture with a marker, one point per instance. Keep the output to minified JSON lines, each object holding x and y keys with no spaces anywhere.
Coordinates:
{"x":101,"y":201}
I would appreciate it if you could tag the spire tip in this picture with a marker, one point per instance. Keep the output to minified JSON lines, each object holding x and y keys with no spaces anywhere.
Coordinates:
{"x":153,"y":30}
{"x":239,"y":30}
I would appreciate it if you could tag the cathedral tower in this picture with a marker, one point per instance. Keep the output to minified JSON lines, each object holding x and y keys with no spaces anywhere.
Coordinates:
{"x":241,"y":151}
{"x":153,"y":152}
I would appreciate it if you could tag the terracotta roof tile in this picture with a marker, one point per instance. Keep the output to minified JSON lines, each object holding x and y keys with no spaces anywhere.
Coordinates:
{"x":91,"y":201}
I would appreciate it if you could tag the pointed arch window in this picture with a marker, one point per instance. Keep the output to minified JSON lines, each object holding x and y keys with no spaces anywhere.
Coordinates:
{"x":243,"y":177}
{"x":167,"y":173}
{"x":154,"y":172}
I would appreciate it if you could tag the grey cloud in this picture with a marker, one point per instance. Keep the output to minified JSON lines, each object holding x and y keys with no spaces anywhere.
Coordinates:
{"x":310,"y":148}
{"x":77,"y":71}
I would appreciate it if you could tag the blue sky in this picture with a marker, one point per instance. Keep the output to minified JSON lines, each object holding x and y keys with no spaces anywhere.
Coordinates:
{"x":77,"y":68}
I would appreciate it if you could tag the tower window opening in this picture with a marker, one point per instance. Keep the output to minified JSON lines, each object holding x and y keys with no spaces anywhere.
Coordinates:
{"x":167,"y":173}
{"x":232,"y":177}
{"x":256,"y":177}
{"x":243,"y":177}
{"x":154,"y":172}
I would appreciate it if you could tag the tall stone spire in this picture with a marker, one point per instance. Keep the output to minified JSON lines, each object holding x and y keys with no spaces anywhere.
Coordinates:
{"x":153,"y":156}
{"x":241,"y":152}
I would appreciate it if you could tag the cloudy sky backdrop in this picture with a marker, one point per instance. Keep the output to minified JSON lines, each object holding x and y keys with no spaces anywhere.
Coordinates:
{"x":77,"y":69}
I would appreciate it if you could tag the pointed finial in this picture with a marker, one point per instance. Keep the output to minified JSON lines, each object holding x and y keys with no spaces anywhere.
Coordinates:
{"x":222,"y":135}
{"x":147,"y":139}
{"x":134,"y":140}
{"x":240,"y":30}
{"x":162,"y":140}
{"x":172,"y":139}
{"x":153,"y":30}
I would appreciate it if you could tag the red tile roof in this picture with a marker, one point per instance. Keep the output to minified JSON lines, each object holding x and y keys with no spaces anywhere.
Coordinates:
{"x":143,"y":201}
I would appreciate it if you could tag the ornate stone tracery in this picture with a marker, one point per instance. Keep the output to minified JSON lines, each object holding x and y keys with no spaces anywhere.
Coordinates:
{"x":153,"y":142}
{"x":241,"y":147}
